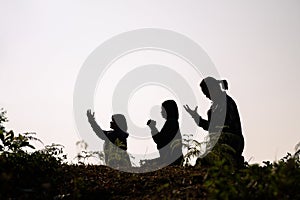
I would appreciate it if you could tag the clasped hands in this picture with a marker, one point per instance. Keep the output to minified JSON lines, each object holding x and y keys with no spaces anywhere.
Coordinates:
{"x":194,"y":114}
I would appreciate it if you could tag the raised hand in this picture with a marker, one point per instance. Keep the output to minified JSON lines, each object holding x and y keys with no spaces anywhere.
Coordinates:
{"x":193,"y":113}
{"x":90,"y":115}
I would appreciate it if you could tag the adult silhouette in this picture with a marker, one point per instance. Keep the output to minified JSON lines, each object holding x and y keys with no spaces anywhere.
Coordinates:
{"x":168,"y":139}
{"x":231,"y":130}
{"x":115,"y":140}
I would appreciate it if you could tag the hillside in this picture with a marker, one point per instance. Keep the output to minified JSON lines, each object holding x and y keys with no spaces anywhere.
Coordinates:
{"x":44,"y":174}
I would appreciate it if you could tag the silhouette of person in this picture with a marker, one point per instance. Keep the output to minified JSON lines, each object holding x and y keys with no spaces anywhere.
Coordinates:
{"x":115,"y":140}
{"x":221,"y":102}
{"x":168,"y":139}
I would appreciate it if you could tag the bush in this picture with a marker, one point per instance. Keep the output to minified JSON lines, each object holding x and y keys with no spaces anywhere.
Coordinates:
{"x":44,"y":175}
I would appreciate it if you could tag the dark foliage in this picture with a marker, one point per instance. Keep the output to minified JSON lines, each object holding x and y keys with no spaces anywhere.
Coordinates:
{"x":44,"y":175}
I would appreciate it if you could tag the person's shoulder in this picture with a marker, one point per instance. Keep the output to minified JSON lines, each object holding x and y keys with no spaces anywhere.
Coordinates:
{"x":231,"y":102}
{"x":229,"y":99}
{"x":108,"y":132}
{"x":171,"y":123}
{"x":122,"y":134}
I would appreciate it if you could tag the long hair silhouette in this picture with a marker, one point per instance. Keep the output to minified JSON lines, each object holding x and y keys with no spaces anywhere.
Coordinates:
{"x":171,"y":109}
{"x":222,"y":105}
{"x":115,"y":140}
{"x":168,"y":140}
{"x":120,"y":121}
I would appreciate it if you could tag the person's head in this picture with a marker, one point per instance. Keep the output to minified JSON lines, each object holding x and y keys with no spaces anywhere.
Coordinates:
{"x":212,"y":87}
{"x":118,"y":122}
{"x":169,"y":110}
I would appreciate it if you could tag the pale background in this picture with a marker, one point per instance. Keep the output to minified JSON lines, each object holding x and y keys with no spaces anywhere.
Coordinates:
{"x":255,"y":45}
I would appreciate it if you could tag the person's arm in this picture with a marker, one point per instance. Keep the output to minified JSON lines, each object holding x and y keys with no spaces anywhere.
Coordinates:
{"x":166,"y":134}
{"x":152,"y":125}
{"x":96,"y":128}
{"x":203,"y":123}
{"x":194,"y":114}
{"x":157,"y":136}
{"x":197,"y":118}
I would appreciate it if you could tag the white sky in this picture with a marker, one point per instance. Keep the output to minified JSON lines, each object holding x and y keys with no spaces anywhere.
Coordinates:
{"x":255,"y":45}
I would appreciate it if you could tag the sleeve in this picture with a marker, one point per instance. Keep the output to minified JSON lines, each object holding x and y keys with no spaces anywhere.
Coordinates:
{"x":205,"y":123}
{"x":97,"y":129}
{"x":166,"y":134}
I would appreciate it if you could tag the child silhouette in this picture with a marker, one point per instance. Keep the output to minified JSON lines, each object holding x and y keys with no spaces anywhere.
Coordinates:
{"x":115,"y":140}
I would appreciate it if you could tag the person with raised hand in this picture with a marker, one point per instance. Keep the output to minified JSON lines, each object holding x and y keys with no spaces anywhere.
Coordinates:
{"x":223,"y":106}
{"x":115,"y":140}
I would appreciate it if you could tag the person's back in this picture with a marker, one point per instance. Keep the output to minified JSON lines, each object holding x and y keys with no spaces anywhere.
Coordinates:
{"x":232,"y":122}
{"x":231,"y":132}
{"x":223,"y":117}
{"x":169,"y":141}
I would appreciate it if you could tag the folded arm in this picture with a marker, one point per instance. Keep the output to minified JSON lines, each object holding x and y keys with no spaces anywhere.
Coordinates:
{"x":166,"y":134}
{"x":152,"y":126}
{"x":203,"y":123}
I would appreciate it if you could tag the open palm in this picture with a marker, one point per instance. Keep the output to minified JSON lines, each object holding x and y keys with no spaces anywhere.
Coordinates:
{"x":90,"y":115}
{"x":193,"y":113}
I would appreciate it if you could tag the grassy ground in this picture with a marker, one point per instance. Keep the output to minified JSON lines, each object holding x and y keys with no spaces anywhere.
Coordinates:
{"x":41,"y":177}
{"x":44,"y":175}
